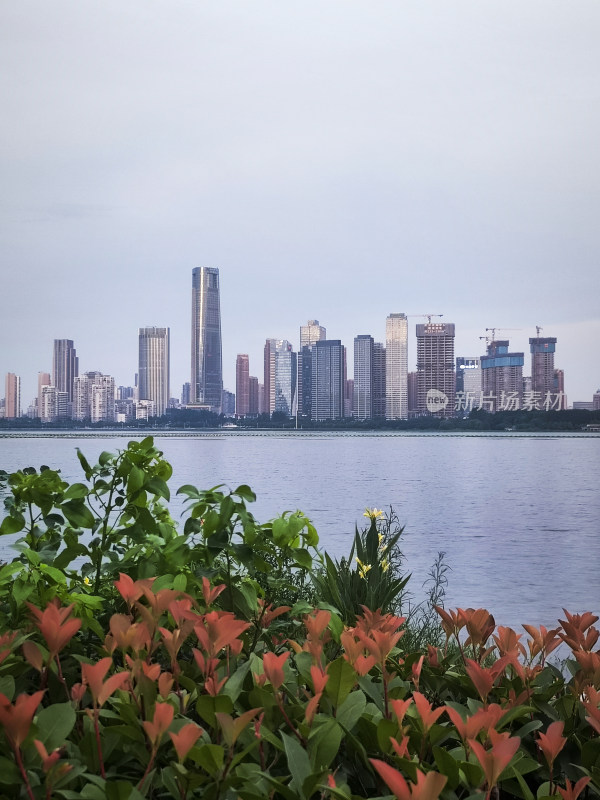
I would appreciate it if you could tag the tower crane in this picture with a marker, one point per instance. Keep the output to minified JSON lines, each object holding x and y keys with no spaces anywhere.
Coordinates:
{"x":429,"y":316}
{"x":493,"y":330}
{"x":538,"y":328}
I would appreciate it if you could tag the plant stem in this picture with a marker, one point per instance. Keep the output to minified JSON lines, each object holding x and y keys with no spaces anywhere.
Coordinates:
{"x":98,"y":742}
{"x":17,"y":751}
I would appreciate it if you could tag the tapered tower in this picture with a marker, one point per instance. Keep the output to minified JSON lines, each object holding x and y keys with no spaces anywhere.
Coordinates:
{"x":207,"y":364}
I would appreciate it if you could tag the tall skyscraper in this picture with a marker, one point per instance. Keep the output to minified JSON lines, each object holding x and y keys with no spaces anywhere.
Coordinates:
{"x":253,"y":395}
{"x":102,"y":399}
{"x":379,"y":361}
{"x":242,"y":385}
{"x":65,"y":366}
{"x":435,"y":367}
{"x":12,"y":407}
{"x":286,"y":372}
{"x":154,"y":367}
{"x":542,"y":364}
{"x":269,"y":376}
{"x":310,"y":333}
{"x":207,"y":364}
{"x":396,"y":366}
{"x":328,"y":379}
{"x":502,"y":377}
{"x":363,"y":376}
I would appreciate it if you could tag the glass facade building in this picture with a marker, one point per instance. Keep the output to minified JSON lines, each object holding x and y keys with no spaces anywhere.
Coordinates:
{"x":396,"y":366}
{"x":207,"y":362}
{"x":328,"y":380}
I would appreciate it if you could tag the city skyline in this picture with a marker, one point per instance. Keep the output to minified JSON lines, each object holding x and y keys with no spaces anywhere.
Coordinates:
{"x":337,"y":161}
{"x":65,"y":358}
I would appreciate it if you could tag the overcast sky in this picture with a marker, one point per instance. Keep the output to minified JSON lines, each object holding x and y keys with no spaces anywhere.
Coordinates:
{"x":335,"y":159}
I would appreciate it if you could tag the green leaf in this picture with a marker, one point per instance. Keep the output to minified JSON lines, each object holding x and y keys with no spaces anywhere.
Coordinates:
{"x":206,"y":706}
{"x":122,"y":790}
{"x":303,"y":558}
{"x":12,"y":524}
{"x":9,"y":773}
{"x":447,"y":765}
{"x":21,"y":590}
{"x":235,"y":683}
{"x":351,"y":710}
{"x":210,"y":757}
{"x":7,"y":686}
{"x":246,"y":493}
{"x":341,"y":680}
{"x":324,"y":743}
{"x":298,"y":762}
{"x":54,"y":724}
{"x":78,"y":514}
{"x":76,"y":491}
{"x":158,"y":487}
{"x":8,"y":570}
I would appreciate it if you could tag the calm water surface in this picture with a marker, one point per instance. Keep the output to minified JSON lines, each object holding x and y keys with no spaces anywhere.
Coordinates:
{"x":516,"y":515}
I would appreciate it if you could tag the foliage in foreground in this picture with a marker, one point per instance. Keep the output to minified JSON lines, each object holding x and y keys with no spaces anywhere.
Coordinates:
{"x":197,"y":683}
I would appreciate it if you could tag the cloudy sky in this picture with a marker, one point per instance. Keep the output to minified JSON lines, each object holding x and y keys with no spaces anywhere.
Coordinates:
{"x":336,"y":159}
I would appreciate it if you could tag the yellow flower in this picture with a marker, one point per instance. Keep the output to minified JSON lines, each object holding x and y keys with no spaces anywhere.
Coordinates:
{"x":87,"y":581}
{"x":385,"y":564}
{"x":362,"y":568}
{"x":373,"y":513}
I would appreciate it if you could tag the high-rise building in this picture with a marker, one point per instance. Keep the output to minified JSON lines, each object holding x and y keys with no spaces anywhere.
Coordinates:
{"x":207,"y":364}
{"x":435,"y":368}
{"x":253,"y":395}
{"x":596,"y":401}
{"x":379,"y":367}
{"x":43,"y":380}
{"x":102,"y":399}
{"x":12,"y":406}
{"x":228,"y":403}
{"x":413,"y":394}
{"x":542,"y":364}
{"x":54,"y":404}
{"x":186,"y":394}
{"x":468,"y":375}
{"x":310,"y":333}
{"x":154,"y":367}
{"x":242,"y":385}
{"x":396,"y":366}
{"x":363,"y":376}
{"x":65,"y":366}
{"x":286,"y":372}
{"x":269,"y":376}
{"x":328,"y":379}
{"x":82,"y":395}
{"x":501,"y":377}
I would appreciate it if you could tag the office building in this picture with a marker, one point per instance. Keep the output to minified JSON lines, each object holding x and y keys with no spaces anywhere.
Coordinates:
{"x":65,"y":366}
{"x":154,"y":367}
{"x":468,"y":375}
{"x":349,"y":398}
{"x":12,"y":397}
{"x":285,"y":378}
{"x":253,"y":395}
{"x":501,"y":377}
{"x":379,"y":368}
{"x":242,"y":385}
{"x":413,"y":394}
{"x":207,"y":364}
{"x":228,"y":403}
{"x":328,"y":380}
{"x":436,"y":379}
{"x":363,"y":377}
{"x":310,"y":333}
{"x":396,"y":366}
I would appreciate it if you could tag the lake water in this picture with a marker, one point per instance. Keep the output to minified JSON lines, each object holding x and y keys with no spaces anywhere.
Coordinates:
{"x":517,"y":515}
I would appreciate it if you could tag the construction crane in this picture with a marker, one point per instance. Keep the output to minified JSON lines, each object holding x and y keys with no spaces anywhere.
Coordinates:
{"x":538,"y":328}
{"x":493,"y":330}
{"x":429,"y":316}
